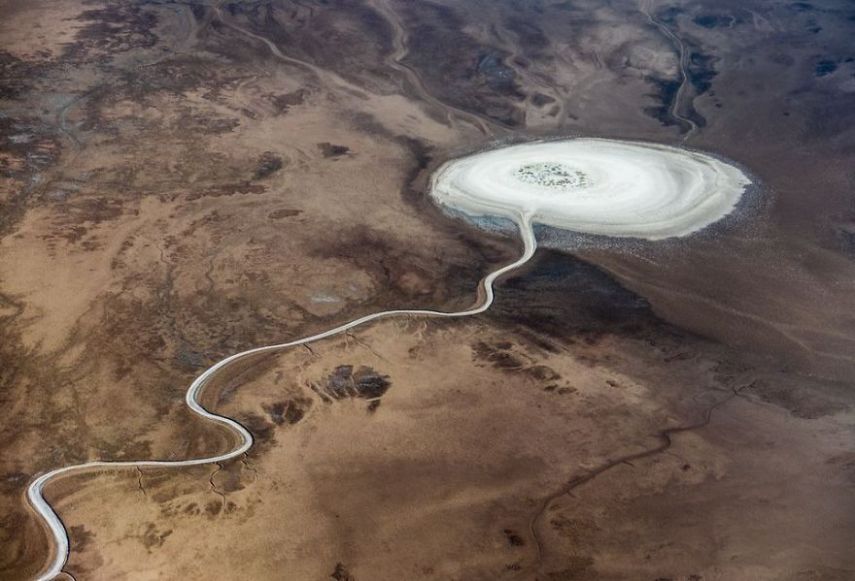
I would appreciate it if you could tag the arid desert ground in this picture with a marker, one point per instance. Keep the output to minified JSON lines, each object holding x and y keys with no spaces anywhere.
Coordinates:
{"x":184,"y":180}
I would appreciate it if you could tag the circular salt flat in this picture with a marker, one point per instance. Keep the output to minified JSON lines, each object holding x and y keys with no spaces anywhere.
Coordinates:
{"x":595,"y":186}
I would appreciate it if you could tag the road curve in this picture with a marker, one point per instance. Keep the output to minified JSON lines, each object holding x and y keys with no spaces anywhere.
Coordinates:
{"x":54,"y":523}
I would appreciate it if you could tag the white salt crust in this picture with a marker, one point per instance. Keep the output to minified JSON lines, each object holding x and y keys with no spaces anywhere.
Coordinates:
{"x":618,"y":188}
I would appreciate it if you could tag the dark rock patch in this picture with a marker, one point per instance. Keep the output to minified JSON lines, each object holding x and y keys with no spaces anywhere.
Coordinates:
{"x":701,"y":71}
{"x":285,"y":101}
{"x":713,"y":20}
{"x":268,"y":164}
{"x":498,"y":76}
{"x":543,"y":373}
{"x":513,"y":538}
{"x":81,"y":537}
{"x":664,"y":94}
{"x":498,"y":355}
{"x":228,"y":190}
{"x":263,"y":432}
{"x":541,"y":100}
{"x":331,"y":150}
{"x":289,"y":411}
{"x":340,"y":573}
{"x":113,"y":29}
{"x":152,"y":538}
{"x":825,"y":67}
{"x":669,"y":15}
{"x":213,"y":508}
{"x":283,"y":213}
{"x":344,"y":382}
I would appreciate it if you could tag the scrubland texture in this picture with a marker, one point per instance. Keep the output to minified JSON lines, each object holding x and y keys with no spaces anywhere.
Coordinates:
{"x":182,"y":181}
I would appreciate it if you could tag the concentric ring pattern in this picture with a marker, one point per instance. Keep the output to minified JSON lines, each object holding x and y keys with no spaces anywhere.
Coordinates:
{"x":595,"y":186}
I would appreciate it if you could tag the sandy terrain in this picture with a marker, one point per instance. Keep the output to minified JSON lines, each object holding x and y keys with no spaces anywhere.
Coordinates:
{"x":374,"y":458}
{"x":180,"y":182}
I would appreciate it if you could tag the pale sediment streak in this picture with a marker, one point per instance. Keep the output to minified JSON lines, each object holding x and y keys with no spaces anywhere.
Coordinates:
{"x":52,"y":520}
{"x":596,"y":186}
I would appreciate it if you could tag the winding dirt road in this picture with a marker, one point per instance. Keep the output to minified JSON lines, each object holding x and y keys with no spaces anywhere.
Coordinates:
{"x":35,"y":492}
{"x":396,"y":61}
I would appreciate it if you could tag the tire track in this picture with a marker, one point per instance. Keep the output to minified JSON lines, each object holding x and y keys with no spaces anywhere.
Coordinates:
{"x":665,"y":438}
{"x":644,"y":6}
{"x":396,"y":61}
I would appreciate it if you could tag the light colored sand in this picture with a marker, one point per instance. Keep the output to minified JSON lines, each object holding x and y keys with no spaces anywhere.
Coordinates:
{"x":596,"y":186}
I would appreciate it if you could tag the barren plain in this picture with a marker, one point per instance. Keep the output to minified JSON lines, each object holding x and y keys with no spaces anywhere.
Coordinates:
{"x":180,"y":181}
